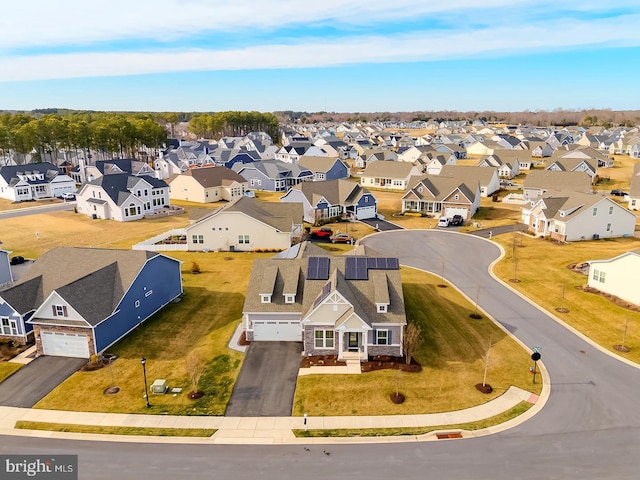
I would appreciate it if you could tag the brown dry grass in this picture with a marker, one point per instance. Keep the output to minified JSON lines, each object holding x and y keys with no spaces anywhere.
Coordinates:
{"x":541,"y":267}
{"x":450,"y":354}
{"x":9,"y":205}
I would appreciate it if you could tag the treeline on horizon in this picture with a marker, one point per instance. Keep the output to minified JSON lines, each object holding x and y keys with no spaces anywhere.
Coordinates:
{"x":560,"y":117}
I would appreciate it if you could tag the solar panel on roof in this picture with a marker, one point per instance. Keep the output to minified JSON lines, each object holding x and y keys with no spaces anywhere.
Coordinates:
{"x":312,"y":268}
{"x":323,"y":268}
{"x":372,"y":262}
{"x":393,"y":264}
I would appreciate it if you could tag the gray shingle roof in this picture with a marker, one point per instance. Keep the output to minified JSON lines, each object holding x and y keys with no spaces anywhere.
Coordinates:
{"x":91,"y":280}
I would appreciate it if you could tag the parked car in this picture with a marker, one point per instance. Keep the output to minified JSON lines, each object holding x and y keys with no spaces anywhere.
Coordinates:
{"x":443,"y":222}
{"x":324,"y":232}
{"x":618,"y":193}
{"x":456,"y":221}
{"x":506,"y":183}
{"x":17,"y":260}
{"x":342,"y":238}
{"x":68,"y":196}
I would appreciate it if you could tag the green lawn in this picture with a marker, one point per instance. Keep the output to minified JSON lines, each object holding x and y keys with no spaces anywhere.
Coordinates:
{"x":510,"y":414}
{"x":451,"y":355}
{"x":541,"y":267}
{"x":7,"y":369}
{"x":202,"y":322}
{"x":100,"y":429}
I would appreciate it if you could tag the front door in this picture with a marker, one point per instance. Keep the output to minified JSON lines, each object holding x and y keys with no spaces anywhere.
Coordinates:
{"x":353,"y":343}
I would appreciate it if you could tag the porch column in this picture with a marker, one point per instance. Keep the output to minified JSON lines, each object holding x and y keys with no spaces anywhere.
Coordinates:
{"x":340,"y":343}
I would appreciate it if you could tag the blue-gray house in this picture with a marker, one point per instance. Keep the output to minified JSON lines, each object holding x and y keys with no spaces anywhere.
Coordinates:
{"x":5,"y":268}
{"x":325,"y":168}
{"x":78,"y":301}
{"x":273,"y":175}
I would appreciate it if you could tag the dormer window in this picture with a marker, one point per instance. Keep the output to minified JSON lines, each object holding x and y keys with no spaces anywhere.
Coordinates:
{"x":265,"y":298}
{"x":59,"y":310}
{"x":382,"y":307}
{"x":289,"y":299}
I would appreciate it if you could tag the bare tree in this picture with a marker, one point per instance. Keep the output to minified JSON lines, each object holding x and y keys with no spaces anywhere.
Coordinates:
{"x":195,"y":370}
{"x":411,"y":340}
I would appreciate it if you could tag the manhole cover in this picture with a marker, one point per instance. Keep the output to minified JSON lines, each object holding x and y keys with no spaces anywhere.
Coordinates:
{"x":112,"y":390}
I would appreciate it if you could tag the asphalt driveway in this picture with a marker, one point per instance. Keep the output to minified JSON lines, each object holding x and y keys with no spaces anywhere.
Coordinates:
{"x":35,"y":380}
{"x":381,"y":225}
{"x":267,"y":381}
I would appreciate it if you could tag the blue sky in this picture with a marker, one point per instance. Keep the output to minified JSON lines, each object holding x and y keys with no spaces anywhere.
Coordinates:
{"x":361,"y":55}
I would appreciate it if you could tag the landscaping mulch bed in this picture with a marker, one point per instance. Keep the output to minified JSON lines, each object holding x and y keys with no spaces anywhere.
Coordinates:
{"x":382,"y":362}
{"x":104,"y":361}
{"x":242,"y":341}
{"x":8,"y":350}
{"x":397,"y":398}
{"x":322,"y":361}
{"x":486,"y":388}
{"x":612,"y":298}
{"x":196,"y":395}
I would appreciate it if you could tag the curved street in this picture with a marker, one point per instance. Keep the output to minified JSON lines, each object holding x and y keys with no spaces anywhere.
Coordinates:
{"x":589,"y":427}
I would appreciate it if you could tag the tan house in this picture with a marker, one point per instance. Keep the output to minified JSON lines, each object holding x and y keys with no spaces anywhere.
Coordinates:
{"x":349,"y":306}
{"x":389,"y":175}
{"x":435,"y":195}
{"x":246,"y":225}
{"x":207,"y":185}
{"x":486,"y":177}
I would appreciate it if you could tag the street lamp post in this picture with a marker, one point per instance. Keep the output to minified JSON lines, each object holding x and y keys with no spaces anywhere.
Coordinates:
{"x":143,"y":361}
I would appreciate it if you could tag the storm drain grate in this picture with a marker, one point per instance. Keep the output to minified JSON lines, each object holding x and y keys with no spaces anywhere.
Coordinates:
{"x":442,"y":436}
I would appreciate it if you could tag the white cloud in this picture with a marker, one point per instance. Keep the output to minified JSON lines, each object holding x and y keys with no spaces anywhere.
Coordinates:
{"x":79,"y":22}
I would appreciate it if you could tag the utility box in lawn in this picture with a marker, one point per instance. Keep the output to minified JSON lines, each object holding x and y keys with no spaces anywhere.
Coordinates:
{"x":159,"y":386}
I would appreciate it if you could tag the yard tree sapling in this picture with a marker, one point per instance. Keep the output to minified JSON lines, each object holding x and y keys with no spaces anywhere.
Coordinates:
{"x":195,"y":370}
{"x":411,"y":340}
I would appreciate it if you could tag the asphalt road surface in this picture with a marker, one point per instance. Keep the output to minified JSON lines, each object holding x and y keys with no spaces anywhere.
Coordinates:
{"x":589,"y":428}
{"x":22,"y":212}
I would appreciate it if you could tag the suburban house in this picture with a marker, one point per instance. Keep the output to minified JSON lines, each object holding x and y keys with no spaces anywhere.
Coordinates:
{"x":507,"y":167}
{"x":273,"y":175}
{"x":486,"y":177}
{"x":349,"y":306}
{"x":586,"y":165}
{"x":573,"y":216}
{"x":541,"y":181}
{"x":541,"y":149}
{"x":34,"y":181}
{"x":437,"y":195}
{"x":634,"y":188}
{"x":246,"y":225}
{"x":325,"y":168}
{"x":6,"y":277}
{"x":207,"y":185}
{"x":335,"y":198}
{"x":79,"y":301}
{"x":122,"y":197}
{"x":619,"y":276}
{"x":432,"y":164}
{"x":389,"y":175}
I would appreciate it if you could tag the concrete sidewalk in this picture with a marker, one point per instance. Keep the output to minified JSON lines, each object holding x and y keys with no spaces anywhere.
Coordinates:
{"x":261,"y":430}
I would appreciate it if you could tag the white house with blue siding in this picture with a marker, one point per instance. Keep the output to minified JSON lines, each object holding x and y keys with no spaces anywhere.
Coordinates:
{"x":79,"y":301}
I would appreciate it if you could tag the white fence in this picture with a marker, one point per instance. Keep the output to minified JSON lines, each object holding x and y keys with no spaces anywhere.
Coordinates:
{"x":515,"y":198}
{"x":155,"y":244}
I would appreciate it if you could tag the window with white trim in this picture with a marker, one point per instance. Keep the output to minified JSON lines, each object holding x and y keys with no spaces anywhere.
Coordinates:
{"x":599,"y":275}
{"x":243,"y":239}
{"x":59,"y":310}
{"x":382,"y":307}
{"x":289,"y":298}
{"x":611,"y":210}
{"x":197,"y":239}
{"x":265,"y":298}
{"x":382,"y":337}
{"x":148,"y":293}
{"x":8,"y":326}
{"x":595,"y":211}
{"x":608,"y":227}
{"x":137,"y":304}
{"x":324,"y":338}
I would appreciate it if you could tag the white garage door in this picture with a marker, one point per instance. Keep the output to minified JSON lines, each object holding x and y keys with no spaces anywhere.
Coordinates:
{"x":366,"y":212}
{"x":277,"y":331}
{"x":65,"y":344}
{"x":451,"y":211}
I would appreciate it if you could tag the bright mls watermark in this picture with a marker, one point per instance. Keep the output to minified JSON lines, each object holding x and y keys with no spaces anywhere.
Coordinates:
{"x":49,"y":467}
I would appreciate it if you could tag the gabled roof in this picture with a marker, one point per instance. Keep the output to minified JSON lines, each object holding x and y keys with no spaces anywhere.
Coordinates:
{"x":469,"y":175}
{"x":318,"y":164}
{"x":10,"y":172}
{"x":564,"y":206}
{"x":281,"y":216}
{"x":389,"y":169}
{"x":274,"y":169}
{"x":336,"y":192}
{"x":91,"y":280}
{"x":118,"y":185}
{"x":213,"y":176}
{"x":562,"y":181}
{"x":438,"y":188}
{"x":361,"y":294}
